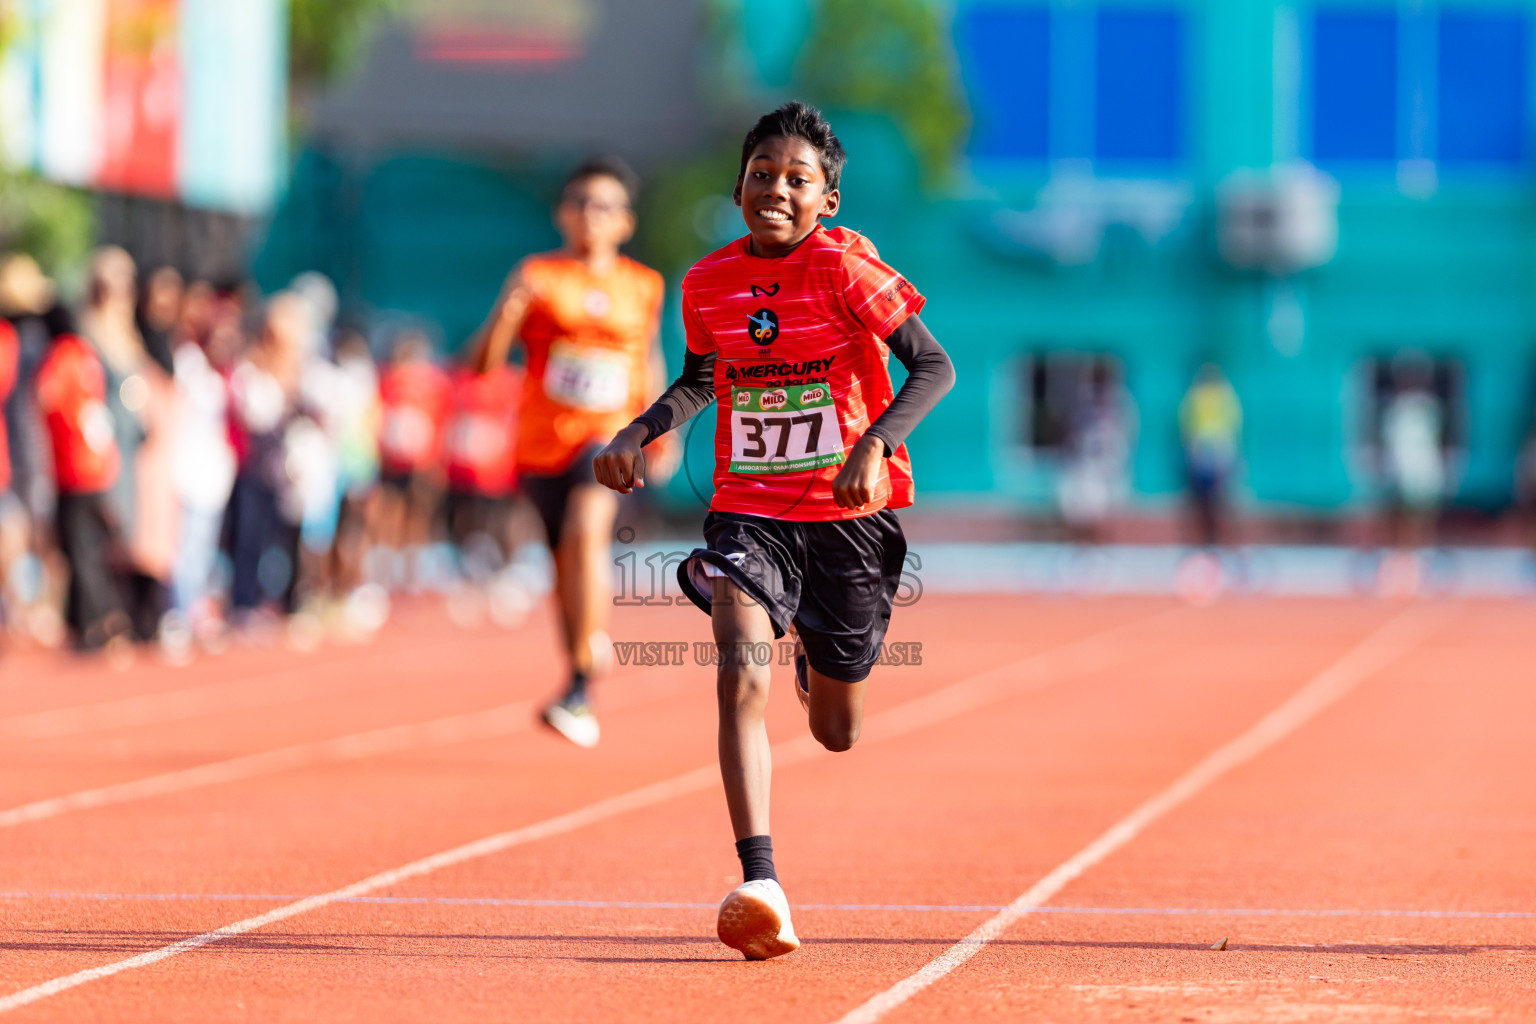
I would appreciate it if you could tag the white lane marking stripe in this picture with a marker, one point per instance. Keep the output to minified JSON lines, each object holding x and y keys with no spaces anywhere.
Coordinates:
{"x":1084,"y":655}
{"x":1372,"y":654}
{"x":895,"y":908}
{"x":263,"y":689}
{"x":643,"y":797}
{"x":1081,"y":655}
{"x":493,"y":722}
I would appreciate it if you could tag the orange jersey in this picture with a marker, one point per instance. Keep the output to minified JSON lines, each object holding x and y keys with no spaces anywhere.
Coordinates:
{"x":800,"y":370}
{"x":588,"y":341}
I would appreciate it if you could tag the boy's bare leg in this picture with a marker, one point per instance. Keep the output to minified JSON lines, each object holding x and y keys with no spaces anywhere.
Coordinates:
{"x":584,"y":570}
{"x":746,"y":766}
{"x":837,"y":710}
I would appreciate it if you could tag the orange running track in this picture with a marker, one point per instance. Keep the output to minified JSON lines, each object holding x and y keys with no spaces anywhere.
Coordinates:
{"x":1343,"y":790}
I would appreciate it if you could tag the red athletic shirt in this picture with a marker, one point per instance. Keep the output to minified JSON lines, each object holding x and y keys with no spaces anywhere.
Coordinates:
{"x":481,"y":446}
{"x":71,"y":389}
{"x":10,"y":349}
{"x":800,"y":370}
{"x":417,"y":398}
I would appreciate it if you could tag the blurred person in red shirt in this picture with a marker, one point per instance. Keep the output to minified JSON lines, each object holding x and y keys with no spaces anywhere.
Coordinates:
{"x":33,"y":573}
{"x":480,"y":453}
{"x":417,"y":397}
{"x":10,"y":349}
{"x":71,"y":395}
{"x":13,"y":517}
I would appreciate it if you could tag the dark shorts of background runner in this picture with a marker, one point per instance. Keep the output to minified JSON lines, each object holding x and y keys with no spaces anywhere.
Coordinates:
{"x":834,"y":581}
{"x":88,"y":539}
{"x":549,"y":492}
{"x":419,"y":488}
{"x":467,"y":513}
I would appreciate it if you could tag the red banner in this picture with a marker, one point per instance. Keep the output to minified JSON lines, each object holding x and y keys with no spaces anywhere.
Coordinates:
{"x":141,"y":98}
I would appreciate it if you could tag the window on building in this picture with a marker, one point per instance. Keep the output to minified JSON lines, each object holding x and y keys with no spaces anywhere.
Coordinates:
{"x":1481,"y":86}
{"x":1061,"y":390}
{"x":1006,"y":53}
{"x":1393,"y":84}
{"x":1389,"y":376}
{"x":1354,"y":85}
{"x":1139,"y":85}
{"x":1121,"y":67}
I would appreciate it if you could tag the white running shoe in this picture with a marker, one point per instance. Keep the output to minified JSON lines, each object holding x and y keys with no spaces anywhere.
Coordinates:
{"x":754,"y":919}
{"x":575,"y":721}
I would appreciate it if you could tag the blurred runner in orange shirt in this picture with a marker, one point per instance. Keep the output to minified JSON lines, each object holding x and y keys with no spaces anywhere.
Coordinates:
{"x":586,"y":316}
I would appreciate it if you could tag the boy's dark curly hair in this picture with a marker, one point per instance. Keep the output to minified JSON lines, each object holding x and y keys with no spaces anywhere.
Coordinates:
{"x":796,"y":120}
{"x":603,"y":165}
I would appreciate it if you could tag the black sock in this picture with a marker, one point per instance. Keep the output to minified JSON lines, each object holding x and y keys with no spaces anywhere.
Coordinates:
{"x":577,"y":691}
{"x":756,"y":853}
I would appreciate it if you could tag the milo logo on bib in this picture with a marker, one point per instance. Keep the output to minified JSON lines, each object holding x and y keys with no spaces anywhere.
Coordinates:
{"x":784,"y":430}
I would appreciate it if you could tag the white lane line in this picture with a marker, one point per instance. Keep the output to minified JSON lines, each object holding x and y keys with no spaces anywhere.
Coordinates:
{"x":490,"y":723}
{"x":1376,"y":651}
{"x":1084,"y":655}
{"x":884,"y":908}
{"x":279,"y":686}
{"x":689,"y":782}
{"x":1054,"y":665}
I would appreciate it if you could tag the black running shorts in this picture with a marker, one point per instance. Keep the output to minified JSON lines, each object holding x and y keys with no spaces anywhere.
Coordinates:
{"x":834,"y":580}
{"x":550,"y":492}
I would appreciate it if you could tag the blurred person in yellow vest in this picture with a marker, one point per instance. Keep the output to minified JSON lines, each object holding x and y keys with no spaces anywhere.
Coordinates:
{"x":1210,"y":425}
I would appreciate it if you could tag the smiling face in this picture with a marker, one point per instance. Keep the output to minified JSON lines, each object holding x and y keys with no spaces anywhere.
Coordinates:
{"x":594,"y":216}
{"x":783,"y":194}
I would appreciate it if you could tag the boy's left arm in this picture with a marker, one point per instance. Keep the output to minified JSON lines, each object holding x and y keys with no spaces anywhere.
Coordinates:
{"x":930,"y":375}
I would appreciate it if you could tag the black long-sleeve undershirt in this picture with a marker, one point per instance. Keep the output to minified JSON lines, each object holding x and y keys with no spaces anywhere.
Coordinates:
{"x":687,"y":396}
{"x":930,"y":375}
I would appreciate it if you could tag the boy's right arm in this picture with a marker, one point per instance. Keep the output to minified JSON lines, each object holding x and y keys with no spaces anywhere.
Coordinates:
{"x":621,"y":465}
{"x":493,"y":342}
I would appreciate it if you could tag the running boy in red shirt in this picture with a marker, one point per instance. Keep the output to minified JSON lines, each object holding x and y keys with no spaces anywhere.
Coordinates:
{"x":788,"y":331}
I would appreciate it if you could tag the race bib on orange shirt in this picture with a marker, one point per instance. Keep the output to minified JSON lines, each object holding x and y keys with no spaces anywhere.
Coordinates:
{"x":595,"y":379}
{"x":785,"y":429}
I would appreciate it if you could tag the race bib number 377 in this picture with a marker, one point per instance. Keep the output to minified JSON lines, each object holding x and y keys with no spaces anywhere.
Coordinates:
{"x":784,"y":430}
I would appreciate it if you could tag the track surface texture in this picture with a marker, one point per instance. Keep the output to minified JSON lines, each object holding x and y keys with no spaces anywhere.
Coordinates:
{"x":1343,"y":790}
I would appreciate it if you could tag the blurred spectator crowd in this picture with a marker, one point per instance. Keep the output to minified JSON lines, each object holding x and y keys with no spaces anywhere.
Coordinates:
{"x":184,"y":464}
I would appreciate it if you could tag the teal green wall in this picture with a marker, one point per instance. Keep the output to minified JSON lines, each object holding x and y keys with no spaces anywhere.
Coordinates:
{"x":1448,"y":274}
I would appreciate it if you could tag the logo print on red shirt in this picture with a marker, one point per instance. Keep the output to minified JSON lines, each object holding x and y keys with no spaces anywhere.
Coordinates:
{"x":763,"y":326}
